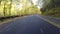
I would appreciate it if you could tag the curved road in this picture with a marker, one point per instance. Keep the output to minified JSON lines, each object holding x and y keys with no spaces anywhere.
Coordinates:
{"x":29,"y":25}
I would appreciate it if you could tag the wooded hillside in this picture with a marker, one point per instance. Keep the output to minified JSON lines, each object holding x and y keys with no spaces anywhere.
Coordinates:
{"x":51,"y":8}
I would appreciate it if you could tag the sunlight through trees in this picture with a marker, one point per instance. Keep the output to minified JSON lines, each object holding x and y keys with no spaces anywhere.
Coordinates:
{"x":17,"y":7}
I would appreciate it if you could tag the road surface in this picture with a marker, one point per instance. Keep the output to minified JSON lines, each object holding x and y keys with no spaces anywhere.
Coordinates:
{"x":32,"y":24}
{"x":52,"y":19}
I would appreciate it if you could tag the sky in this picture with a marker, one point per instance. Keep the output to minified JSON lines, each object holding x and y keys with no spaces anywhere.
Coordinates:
{"x":34,"y":1}
{"x":40,"y":5}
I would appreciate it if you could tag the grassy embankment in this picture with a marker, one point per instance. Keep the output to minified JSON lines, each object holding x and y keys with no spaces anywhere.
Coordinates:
{"x":54,"y":12}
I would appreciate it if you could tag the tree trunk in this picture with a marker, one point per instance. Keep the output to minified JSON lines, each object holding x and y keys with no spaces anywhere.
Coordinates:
{"x":10,"y":8}
{"x":4,"y":9}
{"x":0,"y":2}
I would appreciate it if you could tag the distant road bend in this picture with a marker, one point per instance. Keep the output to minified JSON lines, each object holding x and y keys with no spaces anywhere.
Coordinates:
{"x":32,"y":24}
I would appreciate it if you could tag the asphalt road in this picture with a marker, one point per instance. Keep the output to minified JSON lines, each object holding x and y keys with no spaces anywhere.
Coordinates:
{"x":29,"y":25}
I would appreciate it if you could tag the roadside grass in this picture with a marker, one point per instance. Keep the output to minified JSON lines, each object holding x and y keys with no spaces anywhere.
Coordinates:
{"x":54,"y":12}
{"x":6,"y":20}
{"x":3,"y":21}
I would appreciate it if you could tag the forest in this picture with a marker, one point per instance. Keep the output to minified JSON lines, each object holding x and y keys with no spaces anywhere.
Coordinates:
{"x":51,"y":7}
{"x":13,"y":8}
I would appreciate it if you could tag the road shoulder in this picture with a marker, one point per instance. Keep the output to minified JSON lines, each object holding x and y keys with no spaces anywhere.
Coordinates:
{"x":53,"y":23}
